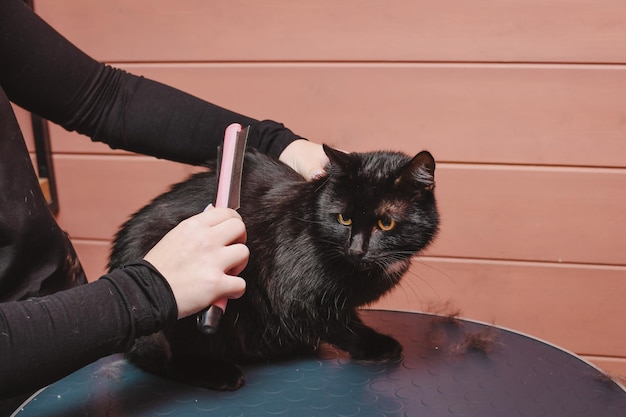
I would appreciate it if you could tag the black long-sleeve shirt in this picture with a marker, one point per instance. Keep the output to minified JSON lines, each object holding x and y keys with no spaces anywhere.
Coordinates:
{"x":43,"y":338}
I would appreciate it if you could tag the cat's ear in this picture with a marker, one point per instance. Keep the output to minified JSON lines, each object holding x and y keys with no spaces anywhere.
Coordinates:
{"x":419,"y":172}
{"x":339,"y":160}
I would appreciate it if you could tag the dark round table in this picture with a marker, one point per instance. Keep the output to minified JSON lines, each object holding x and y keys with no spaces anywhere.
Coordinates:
{"x":451,"y":367}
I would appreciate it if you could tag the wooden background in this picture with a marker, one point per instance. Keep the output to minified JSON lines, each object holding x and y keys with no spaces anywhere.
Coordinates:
{"x":522,"y":103}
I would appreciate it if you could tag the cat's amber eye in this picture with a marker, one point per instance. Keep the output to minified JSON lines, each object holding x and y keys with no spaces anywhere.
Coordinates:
{"x":386,"y":224}
{"x":346,"y":221}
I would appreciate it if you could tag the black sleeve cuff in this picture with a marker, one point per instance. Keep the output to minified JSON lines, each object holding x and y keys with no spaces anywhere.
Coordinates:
{"x":148,"y":297}
{"x":271,"y":137}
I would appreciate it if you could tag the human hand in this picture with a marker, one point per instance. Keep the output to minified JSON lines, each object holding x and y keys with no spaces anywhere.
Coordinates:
{"x":201,"y":257}
{"x":306,"y":158}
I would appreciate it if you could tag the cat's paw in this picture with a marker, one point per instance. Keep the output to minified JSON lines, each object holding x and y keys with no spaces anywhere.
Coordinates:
{"x":377,"y":348}
{"x":224,"y":377}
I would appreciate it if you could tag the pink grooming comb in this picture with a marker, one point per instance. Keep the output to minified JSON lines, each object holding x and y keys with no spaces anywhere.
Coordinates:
{"x":230,"y":166}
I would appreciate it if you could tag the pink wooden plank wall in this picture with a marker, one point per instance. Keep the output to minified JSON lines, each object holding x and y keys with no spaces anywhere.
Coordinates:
{"x":522,"y":103}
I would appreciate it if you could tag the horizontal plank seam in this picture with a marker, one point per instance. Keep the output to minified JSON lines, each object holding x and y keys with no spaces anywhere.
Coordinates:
{"x":539,"y":167}
{"x":440,"y":163}
{"x":381,"y":63}
{"x":522,"y":262}
{"x":603,"y":357}
{"x":533,"y":167}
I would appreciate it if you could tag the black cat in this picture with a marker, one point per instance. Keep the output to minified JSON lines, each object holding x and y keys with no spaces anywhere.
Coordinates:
{"x":318,"y":250}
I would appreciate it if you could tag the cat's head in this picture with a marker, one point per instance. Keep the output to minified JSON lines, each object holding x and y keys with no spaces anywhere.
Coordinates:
{"x":377,"y":209}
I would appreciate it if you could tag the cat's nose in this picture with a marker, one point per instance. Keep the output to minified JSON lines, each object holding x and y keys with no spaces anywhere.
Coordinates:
{"x":356,"y":252}
{"x":357,"y":246}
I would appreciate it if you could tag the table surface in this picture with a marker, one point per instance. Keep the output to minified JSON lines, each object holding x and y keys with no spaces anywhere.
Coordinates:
{"x":450,"y":367}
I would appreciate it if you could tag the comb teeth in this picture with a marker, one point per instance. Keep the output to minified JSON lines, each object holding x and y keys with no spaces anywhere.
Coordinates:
{"x":230,"y":167}
{"x":237,"y":171}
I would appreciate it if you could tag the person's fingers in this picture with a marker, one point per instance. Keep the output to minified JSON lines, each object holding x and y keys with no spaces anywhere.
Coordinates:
{"x":316,"y":166}
{"x":316,"y":173}
{"x":212,"y":216}
{"x":235,"y":258}
{"x":230,"y":231}
{"x":236,"y":286}
{"x":307,"y":158}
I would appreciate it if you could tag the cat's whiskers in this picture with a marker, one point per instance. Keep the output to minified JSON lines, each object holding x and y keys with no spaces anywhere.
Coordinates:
{"x":386,"y":259}
{"x":332,"y":243}
{"x":326,"y":179}
{"x":435,"y":269}
{"x":416,"y":292}
{"x":307,"y":220}
{"x":332,"y":251}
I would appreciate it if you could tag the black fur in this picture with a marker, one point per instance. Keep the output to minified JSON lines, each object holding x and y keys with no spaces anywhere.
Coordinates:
{"x":308,"y":273}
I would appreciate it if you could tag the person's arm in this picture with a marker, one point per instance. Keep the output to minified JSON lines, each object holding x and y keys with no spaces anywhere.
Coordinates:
{"x":43,"y":72}
{"x":44,"y":339}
